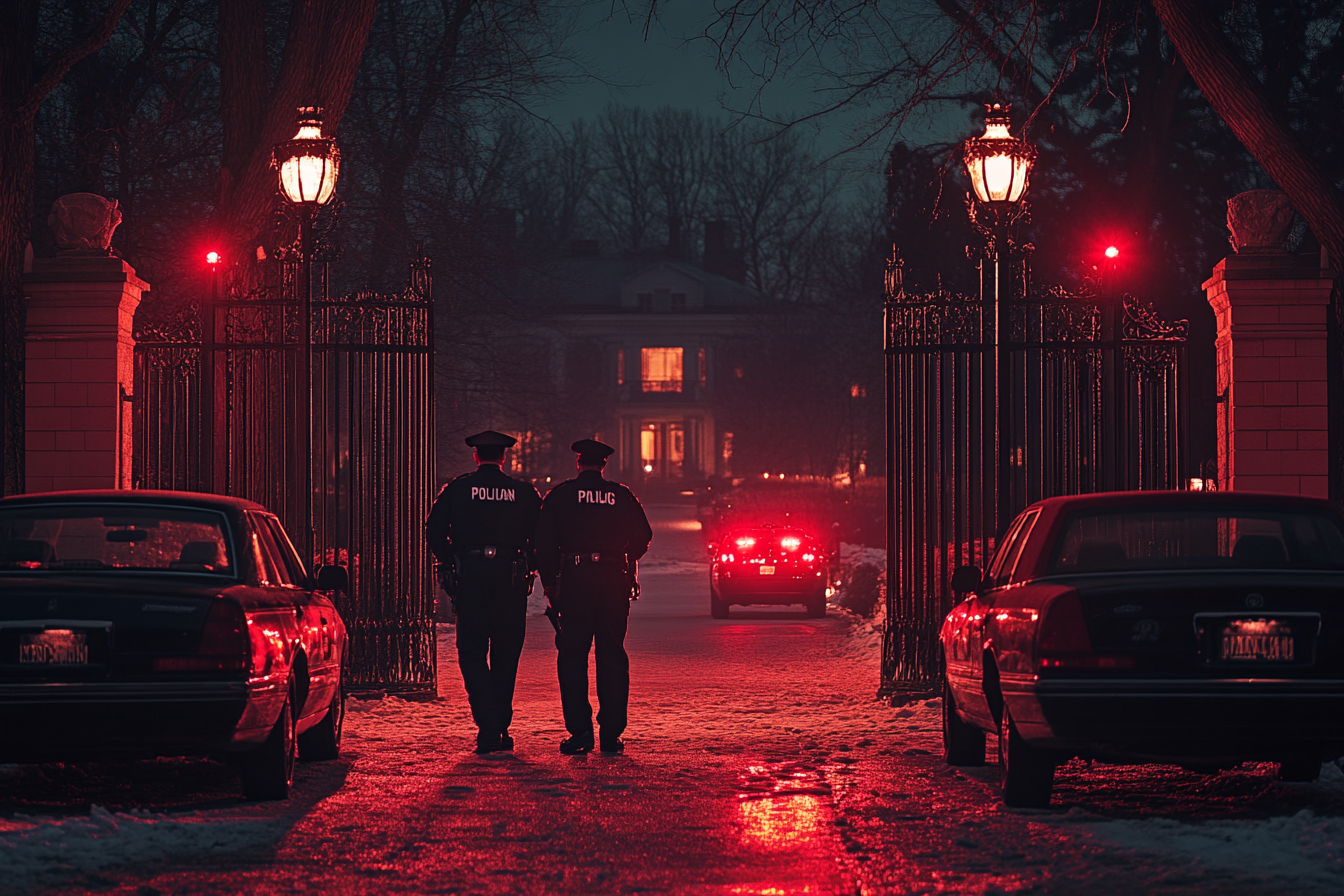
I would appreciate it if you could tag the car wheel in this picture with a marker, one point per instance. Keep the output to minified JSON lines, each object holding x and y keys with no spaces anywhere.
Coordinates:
{"x":1026,"y":773}
{"x":323,"y":740}
{"x":717,"y":608}
{"x":1299,"y":769}
{"x":816,"y":607}
{"x":963,"y":744}
{"x":268,"y":770}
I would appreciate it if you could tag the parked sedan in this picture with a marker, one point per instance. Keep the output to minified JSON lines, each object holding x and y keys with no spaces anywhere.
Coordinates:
{"x":1194,"y":628}
{"x":154,"y":623}
{"x":767,"y":565}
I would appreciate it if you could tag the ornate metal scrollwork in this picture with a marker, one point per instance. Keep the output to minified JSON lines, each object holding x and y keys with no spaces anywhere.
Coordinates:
{"x":181,"y":325}
{"x":1151,"y":345}
{"x":930,"y":319}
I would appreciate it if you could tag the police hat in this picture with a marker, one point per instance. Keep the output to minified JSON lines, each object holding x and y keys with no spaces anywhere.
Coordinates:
{"x":490,"y":439}
{"x":591,"y":450}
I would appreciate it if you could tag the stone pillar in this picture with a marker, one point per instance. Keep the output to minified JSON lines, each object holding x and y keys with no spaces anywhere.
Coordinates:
{"x":1271,"y":312}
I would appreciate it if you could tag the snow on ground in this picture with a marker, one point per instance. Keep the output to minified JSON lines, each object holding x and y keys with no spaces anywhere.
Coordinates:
{"x":36,"y":852}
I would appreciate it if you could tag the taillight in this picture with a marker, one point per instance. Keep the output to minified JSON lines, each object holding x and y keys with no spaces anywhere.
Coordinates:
{"x":790,"y":543}
{"x":808,"y":558}
{"x":727,"y":558}
{"x":225,"y":644}
{"x":746,"y":542}
{"x":1065,"y":643}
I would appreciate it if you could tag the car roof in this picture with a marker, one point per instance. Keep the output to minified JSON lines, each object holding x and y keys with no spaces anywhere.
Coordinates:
{"x":133,"y":496}
{"x":1177,"y":499}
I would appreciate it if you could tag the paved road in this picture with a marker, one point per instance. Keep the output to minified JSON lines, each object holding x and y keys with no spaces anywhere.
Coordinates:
{"x":758,"y":763}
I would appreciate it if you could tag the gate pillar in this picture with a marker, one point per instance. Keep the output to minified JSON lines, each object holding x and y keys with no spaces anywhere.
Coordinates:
{"x":1273,"y":421}
{"x":79,"y":372}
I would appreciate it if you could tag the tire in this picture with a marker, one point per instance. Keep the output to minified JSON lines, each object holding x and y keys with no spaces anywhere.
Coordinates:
{"x":1299,"y":769}
{"x":1026,"y":773}
{"x":323,"y":741}
{"x":963,"y":744}
{"x":816,"y":607}
{"x":268,"y":770}
{"x":717,"y":608}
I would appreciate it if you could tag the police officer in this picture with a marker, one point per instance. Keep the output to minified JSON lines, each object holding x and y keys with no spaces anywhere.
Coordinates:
{"x":591,"y":533}
{"x":480,"y":530}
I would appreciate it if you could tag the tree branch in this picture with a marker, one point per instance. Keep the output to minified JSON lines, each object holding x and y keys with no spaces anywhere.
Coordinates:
{"x":90,"y":43}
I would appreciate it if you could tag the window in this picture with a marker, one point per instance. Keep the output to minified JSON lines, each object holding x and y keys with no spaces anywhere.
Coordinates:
{"x":701,"y":367}
{"x":660,"y":369}
{"x":289,"y":557}
{"x":1005,"y":562}
{"x":678,"y":302}
{"x":620,"y":367}
{"x":645,"y":301}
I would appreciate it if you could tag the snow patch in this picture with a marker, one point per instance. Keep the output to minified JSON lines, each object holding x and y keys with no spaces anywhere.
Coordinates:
{"x":40,"y":852}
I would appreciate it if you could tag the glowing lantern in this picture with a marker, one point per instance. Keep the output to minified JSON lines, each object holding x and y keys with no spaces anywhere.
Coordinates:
{"x":212,"y":258}
{"x":1112,"y":252}
{"x":999,"y":165}
{"x":308,"y":164}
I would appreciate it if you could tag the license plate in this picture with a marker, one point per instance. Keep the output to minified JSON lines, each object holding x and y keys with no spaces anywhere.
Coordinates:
{"x":54,"y":647}
{"x":1258,"y":641}
{"x":767,"y":570}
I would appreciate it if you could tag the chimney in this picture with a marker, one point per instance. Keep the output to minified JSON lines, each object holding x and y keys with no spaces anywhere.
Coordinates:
{"x":584,"y":249}
{"x":720,"y":257}
{"x":674,"y":247}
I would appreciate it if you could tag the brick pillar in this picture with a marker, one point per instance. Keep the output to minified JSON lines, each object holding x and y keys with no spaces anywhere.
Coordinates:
{"x":1272,"y":415}
{"x":79,"y":369}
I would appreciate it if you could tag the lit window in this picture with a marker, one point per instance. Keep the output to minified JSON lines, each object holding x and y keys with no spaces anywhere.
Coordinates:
{"x":660,"y":369}
{"x":620,"y":367}
{"x":701,"y":367}
{"x":857,"y":391}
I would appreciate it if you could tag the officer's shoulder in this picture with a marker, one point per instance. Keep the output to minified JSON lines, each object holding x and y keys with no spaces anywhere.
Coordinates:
{"x":560,"y":487}
{"x":458,"y":478}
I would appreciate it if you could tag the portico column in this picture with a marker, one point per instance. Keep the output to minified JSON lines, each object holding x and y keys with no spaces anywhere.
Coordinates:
{"x":1271,"y":310}
{"x":80,"y":359}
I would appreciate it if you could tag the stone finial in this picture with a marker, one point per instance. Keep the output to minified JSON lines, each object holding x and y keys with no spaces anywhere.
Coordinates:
{"x":82,"y":223}
{"x":1259,"y":222}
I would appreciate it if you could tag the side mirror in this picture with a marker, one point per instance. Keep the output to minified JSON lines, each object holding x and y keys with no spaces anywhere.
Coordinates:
{"x":333,"y":578}
{"x":967,"y":578}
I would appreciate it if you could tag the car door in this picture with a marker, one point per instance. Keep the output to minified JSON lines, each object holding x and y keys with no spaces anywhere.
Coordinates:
{"x":319,"y":625}
{"x":981,"y":604}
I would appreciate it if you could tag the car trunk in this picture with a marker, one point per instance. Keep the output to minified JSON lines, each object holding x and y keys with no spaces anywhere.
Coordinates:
{"x":1201,"y":624}
{"x":64,"y":629}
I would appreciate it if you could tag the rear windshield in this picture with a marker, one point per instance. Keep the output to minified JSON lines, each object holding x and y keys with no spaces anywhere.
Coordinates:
{"x":1231,"y":538}
{"x":131,"y":537}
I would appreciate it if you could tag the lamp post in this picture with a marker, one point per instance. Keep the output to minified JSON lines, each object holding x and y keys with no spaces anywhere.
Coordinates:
{"x":999,"y":166}
{"x":308,"y":166}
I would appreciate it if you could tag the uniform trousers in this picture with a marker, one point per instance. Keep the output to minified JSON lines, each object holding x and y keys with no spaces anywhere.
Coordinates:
{"x":491,"y":626}
{"x":594,"y":605}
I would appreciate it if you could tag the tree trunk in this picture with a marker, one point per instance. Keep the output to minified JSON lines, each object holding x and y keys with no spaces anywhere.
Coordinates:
{"x":1237,"y":98}
{"x":323,"y":50}
{"x":21,"y":94}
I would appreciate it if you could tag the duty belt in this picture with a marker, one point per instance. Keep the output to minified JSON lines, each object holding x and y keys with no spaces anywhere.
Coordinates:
{"x":604,"y":558}
{"x":491,"y":552}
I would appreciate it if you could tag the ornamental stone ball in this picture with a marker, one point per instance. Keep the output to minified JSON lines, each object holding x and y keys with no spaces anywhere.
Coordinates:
{"x":82,"y":224}
{"x":1259,"y":222}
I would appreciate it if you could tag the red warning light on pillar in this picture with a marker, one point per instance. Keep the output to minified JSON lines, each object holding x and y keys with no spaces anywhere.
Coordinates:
{"x":1112,"y":252}
{"x":212,"y":258}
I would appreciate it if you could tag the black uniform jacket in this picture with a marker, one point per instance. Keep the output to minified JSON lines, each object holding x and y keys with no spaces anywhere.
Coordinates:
{"x":589,"y":514}
{"x":484,"y":507}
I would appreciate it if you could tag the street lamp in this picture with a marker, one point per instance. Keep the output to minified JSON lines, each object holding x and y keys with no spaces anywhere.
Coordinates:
{"x":308,"y":166}
{"x":999,"y":166}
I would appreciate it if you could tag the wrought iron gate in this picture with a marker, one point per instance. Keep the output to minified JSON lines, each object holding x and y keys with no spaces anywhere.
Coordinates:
{"x":217,"y":408}
{"x":1095,"y":401}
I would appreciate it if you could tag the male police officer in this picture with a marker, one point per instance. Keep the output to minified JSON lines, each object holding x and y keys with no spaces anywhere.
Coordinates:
{"x":480,"y":529}
{"x":591,"y":533}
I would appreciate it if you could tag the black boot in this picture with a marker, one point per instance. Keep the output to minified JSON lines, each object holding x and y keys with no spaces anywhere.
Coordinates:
{"x":613,"y":745}
{"x":577,"y":743}
{"x":487,"y":741}
{"x":505,"y":741}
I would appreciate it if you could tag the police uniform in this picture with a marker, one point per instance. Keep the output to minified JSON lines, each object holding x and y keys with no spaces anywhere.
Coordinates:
{"x":591,"y":533}
{"x":480,"y":530}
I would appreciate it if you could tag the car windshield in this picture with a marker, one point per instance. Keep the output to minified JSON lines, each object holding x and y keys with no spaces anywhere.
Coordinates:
{"x":114,"y":537}
{"x":1186,"y":538}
